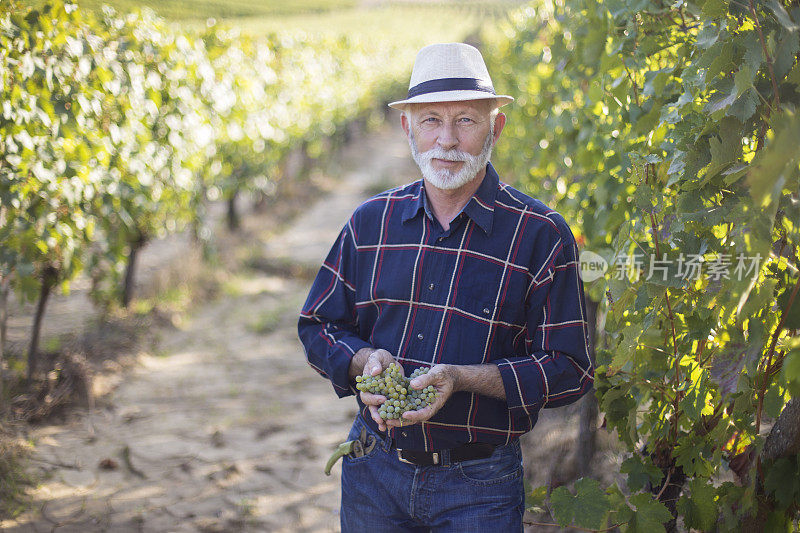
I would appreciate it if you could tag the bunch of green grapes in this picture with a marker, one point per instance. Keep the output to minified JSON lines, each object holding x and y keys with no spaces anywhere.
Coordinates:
{"x":400,"y":397}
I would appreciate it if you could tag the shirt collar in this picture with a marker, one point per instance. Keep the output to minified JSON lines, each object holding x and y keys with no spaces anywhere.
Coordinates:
{"x":480,"y":207}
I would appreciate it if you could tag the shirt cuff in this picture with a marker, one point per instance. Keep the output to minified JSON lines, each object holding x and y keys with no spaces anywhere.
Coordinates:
{"x":341,"y":355}
{"x":524,"y":391}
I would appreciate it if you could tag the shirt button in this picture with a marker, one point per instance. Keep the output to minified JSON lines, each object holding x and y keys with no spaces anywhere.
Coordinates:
{"x":404,"y":434}
{"x":486,"y":310}
{"x":440,"y":239}
{"x":431,"y":286}
{"x":420,"y":336}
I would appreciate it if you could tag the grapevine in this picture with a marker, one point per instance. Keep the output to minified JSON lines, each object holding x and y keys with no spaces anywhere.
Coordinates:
{"x":665,"y":131}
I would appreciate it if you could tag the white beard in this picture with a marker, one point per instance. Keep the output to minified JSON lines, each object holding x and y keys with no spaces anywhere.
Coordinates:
{"x":448,"y":179}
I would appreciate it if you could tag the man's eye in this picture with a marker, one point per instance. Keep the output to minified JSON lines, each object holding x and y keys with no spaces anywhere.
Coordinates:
{"x":465,"y":120}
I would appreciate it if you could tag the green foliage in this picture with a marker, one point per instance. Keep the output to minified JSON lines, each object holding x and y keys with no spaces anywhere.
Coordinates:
{"x":791,"y":367}
{"x":190,"y":9}
{"x":588,"y":508}
{"x":14,"y":479}
{"x":666,"y":134}
{"x":187,"y":10}
{"x":699,"y":508}
{"x":783,"y":481}
{"x":641,"y":472}
{"x":535,"y":498}
{"x":644,"y":515}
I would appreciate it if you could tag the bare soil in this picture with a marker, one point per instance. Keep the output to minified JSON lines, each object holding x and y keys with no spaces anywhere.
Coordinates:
{"x":223,"y":426}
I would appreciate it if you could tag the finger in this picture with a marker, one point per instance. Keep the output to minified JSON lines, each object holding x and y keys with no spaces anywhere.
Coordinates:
{"x":420,"y":382}
{"x":396,"y":423}
{"x":373,"y":411}
{"x":372,"y":399}
{"x":412,"y":417}
{"x":386,"y":358}
{"x":373,"y":366}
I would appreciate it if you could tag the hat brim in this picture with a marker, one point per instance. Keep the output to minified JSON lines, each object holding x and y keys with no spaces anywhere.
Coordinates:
{"x":452,"y":96}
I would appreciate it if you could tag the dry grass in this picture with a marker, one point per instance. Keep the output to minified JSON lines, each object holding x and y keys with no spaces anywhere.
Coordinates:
{"x":14,"y":479}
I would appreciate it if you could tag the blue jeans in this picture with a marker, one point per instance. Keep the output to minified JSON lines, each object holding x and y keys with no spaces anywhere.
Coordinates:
{"x":381,"y":493}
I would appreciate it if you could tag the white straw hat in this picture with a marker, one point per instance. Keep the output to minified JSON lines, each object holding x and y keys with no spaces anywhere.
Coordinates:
{"x":450,"y":72}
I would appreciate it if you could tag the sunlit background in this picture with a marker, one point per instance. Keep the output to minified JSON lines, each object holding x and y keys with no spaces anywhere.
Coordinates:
{"x":173,"y":172}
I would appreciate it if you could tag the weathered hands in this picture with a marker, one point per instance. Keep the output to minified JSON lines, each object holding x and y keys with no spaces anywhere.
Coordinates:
{"x":444,"y":379}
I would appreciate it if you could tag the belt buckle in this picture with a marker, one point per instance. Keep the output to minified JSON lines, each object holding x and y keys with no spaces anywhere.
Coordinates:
{"x":434,"y":455}
{"x":400,"y":457}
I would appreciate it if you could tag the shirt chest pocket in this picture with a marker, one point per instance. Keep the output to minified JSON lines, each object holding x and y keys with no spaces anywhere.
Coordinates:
{"x":477,"y":290}
{"x":493,"y":293}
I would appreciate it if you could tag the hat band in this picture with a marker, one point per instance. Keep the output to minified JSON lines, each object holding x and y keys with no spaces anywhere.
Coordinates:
{"x":450,"y":84}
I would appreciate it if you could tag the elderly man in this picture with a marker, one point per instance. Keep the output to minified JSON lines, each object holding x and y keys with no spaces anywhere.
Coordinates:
{"x":464,"y":275}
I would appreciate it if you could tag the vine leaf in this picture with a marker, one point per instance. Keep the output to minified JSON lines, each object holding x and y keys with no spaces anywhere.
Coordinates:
{"x":708,"y":35}
{"x":699,"y":509}
{"x":777,"y":162}
{"x":792,"y":314}
{"x":715,"y":8}
{"x":782,"y":15}
{"x":745,"y":106}
{"x":735,"y":172}
{"x":744,"y":79}
{"x":725,"y":149}
{"x":718,"y":59}
{"x":753,"y":53}
{"x":689,"y":457}
{"x":649,"y":516}
{"x":786,"y":53}
{"x":727,"y":366}
{"x":723,"y":102}
{"x":535,"y":498}
{"x":783,"y":481}
{"x":773,"y":401}
{"x":676,"y":166}
{"x":589,"y":507}
{"x":791,"y":371}
{"x":794,"y":75}
{"x":640,"y":474}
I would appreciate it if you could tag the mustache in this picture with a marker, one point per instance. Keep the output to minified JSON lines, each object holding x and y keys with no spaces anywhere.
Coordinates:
{"x":438,"y":152}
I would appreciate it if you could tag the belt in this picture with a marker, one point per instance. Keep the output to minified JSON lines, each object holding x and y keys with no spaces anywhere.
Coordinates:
{"x":465,"y":452}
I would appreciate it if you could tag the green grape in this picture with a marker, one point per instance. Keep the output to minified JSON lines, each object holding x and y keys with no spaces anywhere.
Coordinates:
{"x":396,"y":388}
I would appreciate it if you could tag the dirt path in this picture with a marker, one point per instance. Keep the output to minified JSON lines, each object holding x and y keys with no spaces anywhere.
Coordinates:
{"x":225,"y":428}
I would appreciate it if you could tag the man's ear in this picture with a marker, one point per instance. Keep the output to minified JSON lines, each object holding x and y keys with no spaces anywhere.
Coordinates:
{"x":499,"y":124}
{"x":404,"y":122}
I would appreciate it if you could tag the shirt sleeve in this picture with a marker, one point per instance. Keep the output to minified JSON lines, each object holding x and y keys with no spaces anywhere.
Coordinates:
{"x":557,"y":369}
{"x":328,"y":324}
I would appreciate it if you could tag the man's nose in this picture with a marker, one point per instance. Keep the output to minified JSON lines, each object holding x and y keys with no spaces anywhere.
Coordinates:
{"x":447,"y":137}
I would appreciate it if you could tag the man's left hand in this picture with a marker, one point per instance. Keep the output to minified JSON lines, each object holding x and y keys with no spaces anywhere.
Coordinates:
{"x":443,"y":378}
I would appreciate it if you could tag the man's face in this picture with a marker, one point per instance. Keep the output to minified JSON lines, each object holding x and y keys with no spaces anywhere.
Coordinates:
{"x":451,"y":141}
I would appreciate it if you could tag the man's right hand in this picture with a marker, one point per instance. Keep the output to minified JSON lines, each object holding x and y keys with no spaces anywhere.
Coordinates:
{"x":371,"y":362}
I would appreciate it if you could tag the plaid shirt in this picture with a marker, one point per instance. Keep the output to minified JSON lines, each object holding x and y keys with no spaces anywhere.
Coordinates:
{"x":500,"y":286}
